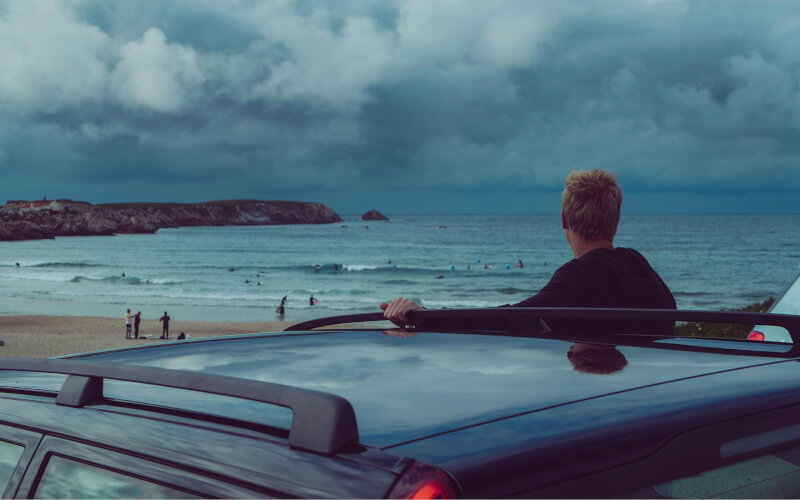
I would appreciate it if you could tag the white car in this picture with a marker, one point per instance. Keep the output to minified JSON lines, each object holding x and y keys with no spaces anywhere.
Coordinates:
{"x":788,"y":303}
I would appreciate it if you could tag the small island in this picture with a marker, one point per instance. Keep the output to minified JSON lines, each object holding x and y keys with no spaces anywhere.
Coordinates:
{"x":374,"y":215}
{"x":27,"y":220}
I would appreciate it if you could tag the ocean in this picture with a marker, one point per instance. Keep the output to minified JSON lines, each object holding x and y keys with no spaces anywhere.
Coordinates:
{"x":241,"y":273}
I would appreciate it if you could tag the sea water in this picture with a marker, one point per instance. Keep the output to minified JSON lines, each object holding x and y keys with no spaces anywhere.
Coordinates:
{"x":242,"y":273}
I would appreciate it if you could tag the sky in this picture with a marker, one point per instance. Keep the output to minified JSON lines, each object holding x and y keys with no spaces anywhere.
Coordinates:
{"x":406,"y":106}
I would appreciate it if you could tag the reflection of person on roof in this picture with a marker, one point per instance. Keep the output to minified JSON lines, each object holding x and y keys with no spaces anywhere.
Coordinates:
{"x":600,"y":275}
{"x":597,"y":359}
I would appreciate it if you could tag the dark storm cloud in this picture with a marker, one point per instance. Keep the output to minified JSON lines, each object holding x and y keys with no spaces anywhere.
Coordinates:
{"x":334,"y":100}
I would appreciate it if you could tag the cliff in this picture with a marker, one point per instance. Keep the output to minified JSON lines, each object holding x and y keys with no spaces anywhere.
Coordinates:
{"x":114,"y":218}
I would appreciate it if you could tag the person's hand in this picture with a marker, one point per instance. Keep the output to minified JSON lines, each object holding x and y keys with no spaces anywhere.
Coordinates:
{"x":396,"y":310}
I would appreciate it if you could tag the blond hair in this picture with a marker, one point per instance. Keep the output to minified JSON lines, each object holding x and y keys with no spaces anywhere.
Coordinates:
{"x":592,"y":203}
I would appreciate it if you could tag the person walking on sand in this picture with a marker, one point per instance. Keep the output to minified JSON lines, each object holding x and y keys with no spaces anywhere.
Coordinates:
{"x":128,"y":324}
{"x":600,"y":275}
{"x":137,"y":318}
{"x":165,"y":325}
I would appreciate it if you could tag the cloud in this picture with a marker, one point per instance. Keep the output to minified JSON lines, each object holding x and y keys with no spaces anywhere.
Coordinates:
{"x":50,"y":60}
{"x":294,"y":97}
{"x":155,"y":75}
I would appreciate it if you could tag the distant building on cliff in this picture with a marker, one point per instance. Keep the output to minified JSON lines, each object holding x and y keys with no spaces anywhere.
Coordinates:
{"x":44,"y":204}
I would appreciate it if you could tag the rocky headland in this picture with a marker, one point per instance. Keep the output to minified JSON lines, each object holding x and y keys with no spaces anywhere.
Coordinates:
{"x":68,"y":218}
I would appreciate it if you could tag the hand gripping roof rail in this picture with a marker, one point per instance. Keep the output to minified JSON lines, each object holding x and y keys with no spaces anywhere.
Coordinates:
{"x":532,"y":321}
{"x":321,"y":422}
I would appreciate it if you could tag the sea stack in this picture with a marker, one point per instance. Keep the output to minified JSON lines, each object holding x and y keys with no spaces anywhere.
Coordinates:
{"x":374,"y":215}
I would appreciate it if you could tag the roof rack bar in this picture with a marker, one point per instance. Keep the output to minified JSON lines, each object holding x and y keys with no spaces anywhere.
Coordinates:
{"x":321,"y":422}
{"x":335,"y":320}
{"x":419,"y":317}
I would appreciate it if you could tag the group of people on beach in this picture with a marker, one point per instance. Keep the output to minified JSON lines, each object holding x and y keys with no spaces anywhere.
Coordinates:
{"x":133,"y":320}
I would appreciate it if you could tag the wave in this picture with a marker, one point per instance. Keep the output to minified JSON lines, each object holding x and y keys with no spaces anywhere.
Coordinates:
{"x":53,"y":265}
{"x":358,"y":268}
{"x":65,"y":264}
{"x":128,"y":280}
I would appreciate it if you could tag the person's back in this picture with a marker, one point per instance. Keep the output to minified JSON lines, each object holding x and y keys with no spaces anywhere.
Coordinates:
{"x":605,"y":277}
{"x":608,"y":278}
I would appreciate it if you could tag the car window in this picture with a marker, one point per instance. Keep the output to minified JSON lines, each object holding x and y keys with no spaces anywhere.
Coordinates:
{"x":9,"y":457}
{"x":776,"y":475}
{"x":64,"y":478}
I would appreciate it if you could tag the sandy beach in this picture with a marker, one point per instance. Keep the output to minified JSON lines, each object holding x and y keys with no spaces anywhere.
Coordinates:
{"x":45,"y":336}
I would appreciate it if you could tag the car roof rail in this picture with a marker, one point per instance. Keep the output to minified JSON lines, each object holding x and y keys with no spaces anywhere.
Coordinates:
{"x":321,"y":422}
{"x":533,"y":321}
{"x":335,"y":320}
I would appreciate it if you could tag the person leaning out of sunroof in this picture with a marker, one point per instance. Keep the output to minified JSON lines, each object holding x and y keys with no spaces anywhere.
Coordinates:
{"x":599,"y":275}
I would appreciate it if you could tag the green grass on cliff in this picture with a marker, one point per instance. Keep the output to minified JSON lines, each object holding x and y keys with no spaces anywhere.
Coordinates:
{"x":723,"y":330}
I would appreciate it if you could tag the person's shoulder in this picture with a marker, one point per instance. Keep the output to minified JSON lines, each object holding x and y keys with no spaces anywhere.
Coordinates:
{"x":630,"y":253}
{"x":611,"y":253}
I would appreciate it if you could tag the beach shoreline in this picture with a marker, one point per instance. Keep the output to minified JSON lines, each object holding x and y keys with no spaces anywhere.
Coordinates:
{"x":45,"y":336}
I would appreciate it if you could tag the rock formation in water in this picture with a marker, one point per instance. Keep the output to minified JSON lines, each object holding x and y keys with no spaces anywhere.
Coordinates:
{"x":19,"y":221}
{"x":374,"y":215}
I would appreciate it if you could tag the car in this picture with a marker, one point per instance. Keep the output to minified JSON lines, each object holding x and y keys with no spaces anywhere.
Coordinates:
{"x":461,"y":403}
{"x":788,"y":303}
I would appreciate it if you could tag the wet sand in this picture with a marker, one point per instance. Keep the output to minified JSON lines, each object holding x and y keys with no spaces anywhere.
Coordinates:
{"x":45,"y":336}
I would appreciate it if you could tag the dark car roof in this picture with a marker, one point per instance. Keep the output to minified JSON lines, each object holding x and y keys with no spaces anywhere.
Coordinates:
{"x":407,"y":388}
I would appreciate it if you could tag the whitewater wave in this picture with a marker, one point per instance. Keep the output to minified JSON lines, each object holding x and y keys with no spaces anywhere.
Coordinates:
{"x":360,"y":267}
{"x":128,"y":280}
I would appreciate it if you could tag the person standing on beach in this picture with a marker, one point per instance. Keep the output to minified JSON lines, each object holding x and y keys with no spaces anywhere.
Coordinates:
{"x":600,"y":275}
{"x":137,"y":318}
{"x":165,"y":325}
{"x":128,"y":324}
